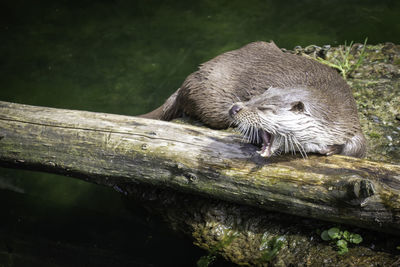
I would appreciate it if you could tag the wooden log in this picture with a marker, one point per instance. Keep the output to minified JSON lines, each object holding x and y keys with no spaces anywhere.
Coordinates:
{"x":114,"y":150}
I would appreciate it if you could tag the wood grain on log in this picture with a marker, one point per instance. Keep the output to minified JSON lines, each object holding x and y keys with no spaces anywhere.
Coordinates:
{"x":114,"y":150}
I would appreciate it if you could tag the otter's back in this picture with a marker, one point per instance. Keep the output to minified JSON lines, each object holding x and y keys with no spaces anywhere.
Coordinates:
{"x":208,"y":93}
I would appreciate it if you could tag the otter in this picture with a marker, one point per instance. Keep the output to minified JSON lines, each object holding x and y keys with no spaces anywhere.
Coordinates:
{"x":281,"y":101}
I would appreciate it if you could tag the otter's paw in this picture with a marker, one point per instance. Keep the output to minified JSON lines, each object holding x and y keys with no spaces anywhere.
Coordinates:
{"x":331,"y":150}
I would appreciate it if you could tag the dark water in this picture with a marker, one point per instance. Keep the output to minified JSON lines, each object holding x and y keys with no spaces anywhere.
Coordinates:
{"x":126,"y":57}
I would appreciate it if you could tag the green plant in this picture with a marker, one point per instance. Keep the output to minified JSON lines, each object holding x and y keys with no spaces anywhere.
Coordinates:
{"x":343,"y":62}
{"x":208,"y":259}
{"x":271,"y":248}
{"x":341,"y":238}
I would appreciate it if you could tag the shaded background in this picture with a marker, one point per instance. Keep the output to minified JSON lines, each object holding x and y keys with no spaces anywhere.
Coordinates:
{"x":127,"y":57}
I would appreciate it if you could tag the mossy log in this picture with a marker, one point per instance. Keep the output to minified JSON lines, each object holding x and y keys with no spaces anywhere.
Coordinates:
{"x":247,"y":235}
{"x":116,"y":150}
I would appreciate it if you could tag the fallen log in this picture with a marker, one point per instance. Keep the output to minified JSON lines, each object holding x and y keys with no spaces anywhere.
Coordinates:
{"x":248,"y":236}
{"x":115,"y":150}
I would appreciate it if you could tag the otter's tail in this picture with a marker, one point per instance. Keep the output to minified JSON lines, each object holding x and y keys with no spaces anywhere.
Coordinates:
{"x":168,"y":111}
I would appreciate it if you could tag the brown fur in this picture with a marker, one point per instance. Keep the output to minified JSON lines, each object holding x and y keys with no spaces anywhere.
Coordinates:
{"x":241,"y":74}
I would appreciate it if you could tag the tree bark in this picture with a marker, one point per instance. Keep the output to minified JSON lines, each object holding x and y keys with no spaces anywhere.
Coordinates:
{"x":115,"y":150}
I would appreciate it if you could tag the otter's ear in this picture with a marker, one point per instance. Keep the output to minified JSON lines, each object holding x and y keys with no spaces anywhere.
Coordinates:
{"x":297,"y":106}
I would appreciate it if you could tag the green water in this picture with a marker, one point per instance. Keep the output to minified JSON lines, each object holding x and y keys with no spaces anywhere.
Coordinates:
{"x":127,"y":57}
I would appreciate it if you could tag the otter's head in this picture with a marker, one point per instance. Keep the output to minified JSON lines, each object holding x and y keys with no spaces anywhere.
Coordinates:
{"x":283,"y":119}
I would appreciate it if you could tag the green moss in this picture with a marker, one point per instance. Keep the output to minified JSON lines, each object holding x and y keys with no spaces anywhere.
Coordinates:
{"x":228,"y":237}
{"x":270,"y":247}
{"x":344,"y":61}
{"x":374,"y":135}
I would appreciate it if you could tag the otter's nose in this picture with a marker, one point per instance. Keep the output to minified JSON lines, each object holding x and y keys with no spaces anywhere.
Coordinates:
{"x":234,"y":110}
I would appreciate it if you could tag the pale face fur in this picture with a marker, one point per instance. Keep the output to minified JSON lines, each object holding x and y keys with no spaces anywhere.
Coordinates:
{"x":296,"y":121}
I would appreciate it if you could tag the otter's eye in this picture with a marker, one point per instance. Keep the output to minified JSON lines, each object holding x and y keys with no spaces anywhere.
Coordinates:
{"x":264,"y":108}
{"x":297,"y":106}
